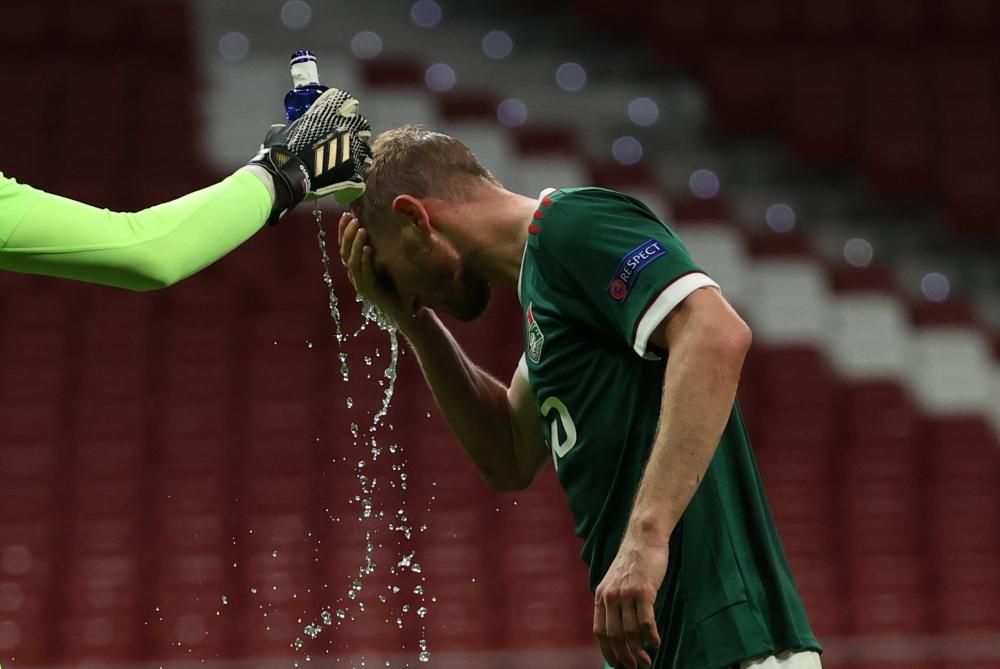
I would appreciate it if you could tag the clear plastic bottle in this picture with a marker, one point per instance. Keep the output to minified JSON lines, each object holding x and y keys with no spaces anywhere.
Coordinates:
{"x":305,"y":84}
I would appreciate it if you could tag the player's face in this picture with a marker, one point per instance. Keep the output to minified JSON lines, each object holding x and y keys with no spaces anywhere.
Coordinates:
{"x":429,"y":272}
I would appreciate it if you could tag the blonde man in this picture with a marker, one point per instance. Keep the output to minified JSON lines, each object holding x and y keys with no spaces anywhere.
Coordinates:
{"x":627,"y":384}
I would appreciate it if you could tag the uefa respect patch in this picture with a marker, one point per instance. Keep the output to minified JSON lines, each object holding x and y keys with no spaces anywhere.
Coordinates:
{"x":631,"y":264}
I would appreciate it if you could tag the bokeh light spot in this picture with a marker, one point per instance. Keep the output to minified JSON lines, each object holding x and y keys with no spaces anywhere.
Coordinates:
{"x":234,"y":46}
{"x":497,"y":44}
{"x":571,"y":76}
{"x":704,"y":184}
{"x":935,"y":286}
{"x":858,"y":252}
{"x":512,"y":112}
{"x":440,"y":77}
{"x":296,"y":13}
{"x":643,"y":111}
{"x":366,"y":45}
{"x":780,"y":217}
{"x":426,"y":13}
{"x":627,"y":150}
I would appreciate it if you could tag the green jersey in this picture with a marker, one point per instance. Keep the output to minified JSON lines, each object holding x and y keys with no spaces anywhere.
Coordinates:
{"x":600,"y":273}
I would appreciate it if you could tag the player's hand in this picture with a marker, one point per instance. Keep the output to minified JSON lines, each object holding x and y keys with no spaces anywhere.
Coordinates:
{"x":624,"y":622}
{"x":359,"y":258}
{"x":324,"y":152}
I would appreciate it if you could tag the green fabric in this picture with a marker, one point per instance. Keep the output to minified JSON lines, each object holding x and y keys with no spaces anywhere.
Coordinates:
{"x":47,"y":234}
{"x":728,"y":594}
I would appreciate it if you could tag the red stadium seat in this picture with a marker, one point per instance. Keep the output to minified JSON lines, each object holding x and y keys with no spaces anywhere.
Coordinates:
{"x":872,"y":279}
{"x":892,"y":21}
{"x":99,"y":638}
{"x":779,"y":245}
{"x":818,"y":19}
{"x":386,"y":73}
{"x":754,"y":21}
{"x":681,"y":30}
{"x":961,"y":21}
{"x":469,"y":107}
{"x":744,"y":88}
{"x":820,"y":116}
{"x":545,"y":140}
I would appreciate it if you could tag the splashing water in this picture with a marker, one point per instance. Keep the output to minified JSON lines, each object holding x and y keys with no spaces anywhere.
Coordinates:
{"x":390,"y":373}
{"x":370,"y":315}
{"x":334,"y":302}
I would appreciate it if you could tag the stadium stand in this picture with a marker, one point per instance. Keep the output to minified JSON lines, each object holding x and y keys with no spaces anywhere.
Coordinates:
{"x":178,"y":480}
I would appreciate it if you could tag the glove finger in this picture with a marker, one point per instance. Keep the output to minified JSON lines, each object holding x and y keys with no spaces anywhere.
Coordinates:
{"x":331,"y":97}
{"x":349,"y":108}
{"x":272,"y":135}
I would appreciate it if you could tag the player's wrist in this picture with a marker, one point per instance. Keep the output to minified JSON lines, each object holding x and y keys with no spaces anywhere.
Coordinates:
{"x":264,"y":176}
{"x":650,"y":529}
{"x":415,"y":326}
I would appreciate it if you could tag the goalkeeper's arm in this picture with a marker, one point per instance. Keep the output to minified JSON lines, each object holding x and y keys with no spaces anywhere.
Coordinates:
{"x":41,"y":233}
{"x":322,"y":153}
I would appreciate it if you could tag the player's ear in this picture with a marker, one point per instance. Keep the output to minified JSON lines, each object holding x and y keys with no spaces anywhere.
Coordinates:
{"x":413,"y":210}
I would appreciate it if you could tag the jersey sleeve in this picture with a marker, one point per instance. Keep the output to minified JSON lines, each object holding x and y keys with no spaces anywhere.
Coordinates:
{"x":42,"y":233}
{"x":628,"y":268}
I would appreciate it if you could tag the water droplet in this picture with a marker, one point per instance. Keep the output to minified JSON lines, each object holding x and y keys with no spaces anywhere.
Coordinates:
{"x":298,"y":643}
{"x":309,"y":344}
{"x":416,"y":568}
{"x":418,"y":590}
{"x":274,"y":553}
{"x":368,"y":360}
{"x":422,"y":611}
{"x":253,"y":591}
{"x":312,"y":631}
{"x":225,"y":600}
{"x":341,"y":614}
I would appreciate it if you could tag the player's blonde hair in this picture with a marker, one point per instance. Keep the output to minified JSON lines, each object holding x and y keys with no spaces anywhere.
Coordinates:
{"x":412,"y":160}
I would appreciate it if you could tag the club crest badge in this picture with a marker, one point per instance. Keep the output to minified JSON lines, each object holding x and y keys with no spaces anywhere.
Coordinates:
{"x":535,"y":337}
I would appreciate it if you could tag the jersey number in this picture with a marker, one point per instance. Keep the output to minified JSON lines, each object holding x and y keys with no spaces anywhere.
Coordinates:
{"x":559,"y":447}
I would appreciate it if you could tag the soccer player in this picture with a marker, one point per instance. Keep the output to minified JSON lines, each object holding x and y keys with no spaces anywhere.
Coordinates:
{"x":321,"y":153}
{"x":628,"y":384}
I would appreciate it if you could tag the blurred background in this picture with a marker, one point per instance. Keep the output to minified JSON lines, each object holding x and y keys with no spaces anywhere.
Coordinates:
{"x":185,"y":476}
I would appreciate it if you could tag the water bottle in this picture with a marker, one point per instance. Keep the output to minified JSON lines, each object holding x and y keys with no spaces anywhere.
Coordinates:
{"x":305,"y":84}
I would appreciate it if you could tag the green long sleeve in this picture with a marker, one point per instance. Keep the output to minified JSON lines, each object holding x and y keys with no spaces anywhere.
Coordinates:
{"x":41,"y":233}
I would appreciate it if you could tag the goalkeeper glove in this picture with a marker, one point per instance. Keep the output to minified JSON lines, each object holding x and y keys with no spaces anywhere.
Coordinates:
{"x":323,"y":152}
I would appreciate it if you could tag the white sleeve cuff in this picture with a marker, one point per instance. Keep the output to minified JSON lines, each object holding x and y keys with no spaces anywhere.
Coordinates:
{"x":664,"y":303}
{"x":522,"y":369}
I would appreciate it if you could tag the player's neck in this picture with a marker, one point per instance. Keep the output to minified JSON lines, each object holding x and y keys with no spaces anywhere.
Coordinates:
{"x":493,"y":232}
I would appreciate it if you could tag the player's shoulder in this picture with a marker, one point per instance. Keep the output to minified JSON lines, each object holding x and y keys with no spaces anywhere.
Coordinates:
{"x":573,"y":215}
{"x":589,"y":197}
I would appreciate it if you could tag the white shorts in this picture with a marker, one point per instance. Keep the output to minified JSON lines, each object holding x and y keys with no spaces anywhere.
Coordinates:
{"x":788,"y":660}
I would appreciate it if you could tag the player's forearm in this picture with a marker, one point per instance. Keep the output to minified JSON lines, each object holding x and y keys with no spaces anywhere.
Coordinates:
{"x":702,"y":376}
{"x":153,"y":248}
{"x":474,"y":403}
